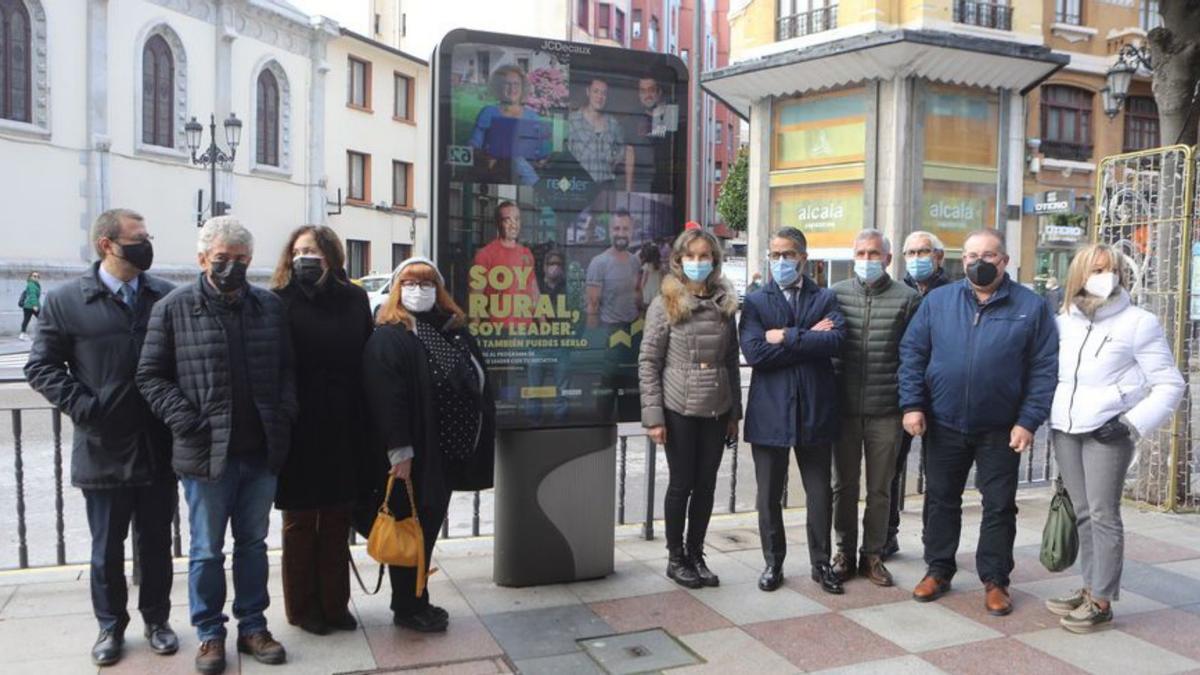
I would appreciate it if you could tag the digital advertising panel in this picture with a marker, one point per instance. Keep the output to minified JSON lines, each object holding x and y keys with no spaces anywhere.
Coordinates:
{"x":560,"y":183}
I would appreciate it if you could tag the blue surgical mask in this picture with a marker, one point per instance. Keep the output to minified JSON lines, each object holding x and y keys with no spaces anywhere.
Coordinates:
{"x":920,"y":268}
{"x":868,"y":270}
{"x":697,"y":270}
{"x":785,"y":272}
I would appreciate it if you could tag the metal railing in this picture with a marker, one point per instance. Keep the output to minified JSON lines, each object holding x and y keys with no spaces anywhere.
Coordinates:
{"x":983,"y":14}
{"x":1077,"y":152}
{"x":806,"y":23}
{"x":640,"y":481}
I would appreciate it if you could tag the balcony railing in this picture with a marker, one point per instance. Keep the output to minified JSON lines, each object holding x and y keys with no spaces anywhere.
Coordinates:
{"x":1072,"y":151}
{"x":806,"y":23}
{"x":983,"y":14}
{"x":1074,"y":18}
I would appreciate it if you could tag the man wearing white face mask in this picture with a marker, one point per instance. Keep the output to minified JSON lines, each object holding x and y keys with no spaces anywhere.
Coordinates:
{"x":1117,"y":382}
{"x":877,"y":310}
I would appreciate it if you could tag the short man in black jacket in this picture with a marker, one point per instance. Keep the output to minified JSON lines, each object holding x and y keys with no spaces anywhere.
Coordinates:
{"x":83,"y":360}
{"x":923,"y":258}
{"x":217,"y":368}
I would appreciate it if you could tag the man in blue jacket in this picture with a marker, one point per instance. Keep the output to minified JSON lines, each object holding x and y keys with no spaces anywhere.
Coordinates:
{"x":790,"y":331}
{"x":978,"y":368}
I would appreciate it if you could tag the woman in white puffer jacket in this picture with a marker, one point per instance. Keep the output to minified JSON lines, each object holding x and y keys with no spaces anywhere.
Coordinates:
{"x":1117,"y":382}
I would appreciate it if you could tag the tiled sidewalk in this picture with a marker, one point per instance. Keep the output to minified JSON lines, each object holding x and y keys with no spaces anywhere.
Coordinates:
{"x":46,"y":627}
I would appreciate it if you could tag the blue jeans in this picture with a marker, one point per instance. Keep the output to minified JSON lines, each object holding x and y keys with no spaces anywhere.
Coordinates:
{"x":241,"y":497}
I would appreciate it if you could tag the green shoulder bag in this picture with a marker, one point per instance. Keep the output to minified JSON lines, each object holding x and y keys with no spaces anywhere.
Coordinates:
{"x":1060,"y":538}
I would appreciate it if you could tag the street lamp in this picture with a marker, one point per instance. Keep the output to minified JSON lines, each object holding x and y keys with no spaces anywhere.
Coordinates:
{"x":1130,"y":60}
{"x":214,"y":155}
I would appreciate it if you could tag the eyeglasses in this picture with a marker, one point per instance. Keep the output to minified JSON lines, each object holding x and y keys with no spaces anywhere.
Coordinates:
{"x":918,"y":252}
{"x":423,"y":285}
{"x":784,"y":255}
{"x":987,"y":256}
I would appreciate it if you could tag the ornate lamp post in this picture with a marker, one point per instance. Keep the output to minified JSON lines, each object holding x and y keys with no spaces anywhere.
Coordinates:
{"x":214,"y":155}
{"x":1130,"y":59}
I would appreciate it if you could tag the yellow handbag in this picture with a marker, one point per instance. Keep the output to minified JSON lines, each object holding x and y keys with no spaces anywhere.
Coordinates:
{"x":399,"y":542}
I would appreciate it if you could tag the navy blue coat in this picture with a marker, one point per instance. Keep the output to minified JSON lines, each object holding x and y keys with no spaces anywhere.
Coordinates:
{"x":793,"y":388}
{"x":975,"y":368}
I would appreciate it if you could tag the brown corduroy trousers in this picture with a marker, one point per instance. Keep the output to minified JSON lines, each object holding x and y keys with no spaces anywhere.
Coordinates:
{"x":316,"y":553}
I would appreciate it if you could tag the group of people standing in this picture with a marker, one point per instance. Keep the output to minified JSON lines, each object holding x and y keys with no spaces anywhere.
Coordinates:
{"x":291,"y":397}
{"x":847,"y":376}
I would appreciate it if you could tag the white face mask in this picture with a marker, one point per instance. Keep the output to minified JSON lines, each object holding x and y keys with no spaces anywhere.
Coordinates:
{"x":1101,"y":285}
{"x":418,"y":299}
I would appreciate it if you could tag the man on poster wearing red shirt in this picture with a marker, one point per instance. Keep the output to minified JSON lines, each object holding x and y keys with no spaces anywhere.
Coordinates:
{"x":517,"y":281}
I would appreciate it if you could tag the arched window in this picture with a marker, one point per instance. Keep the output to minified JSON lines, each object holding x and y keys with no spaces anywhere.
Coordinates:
{"x":158,"y":93}
{"x":266,"y":135}
{"x":16,"y":73}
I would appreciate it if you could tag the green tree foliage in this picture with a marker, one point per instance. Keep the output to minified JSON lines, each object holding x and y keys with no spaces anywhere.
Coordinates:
{"x":735,"y":196}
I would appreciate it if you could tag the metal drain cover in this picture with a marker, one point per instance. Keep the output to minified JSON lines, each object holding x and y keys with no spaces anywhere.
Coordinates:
{"x":644,"y":651}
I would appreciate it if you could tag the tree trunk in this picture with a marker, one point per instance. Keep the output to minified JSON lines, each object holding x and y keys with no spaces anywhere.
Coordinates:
{"x":1175,"y":53}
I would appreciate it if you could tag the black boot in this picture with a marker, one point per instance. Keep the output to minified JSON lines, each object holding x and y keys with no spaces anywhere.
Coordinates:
{"x":695,"y":556}
{"x":680,"y":569}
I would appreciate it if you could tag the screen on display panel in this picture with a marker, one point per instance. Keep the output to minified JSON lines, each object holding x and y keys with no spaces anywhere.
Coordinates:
{"x":560,"y":183}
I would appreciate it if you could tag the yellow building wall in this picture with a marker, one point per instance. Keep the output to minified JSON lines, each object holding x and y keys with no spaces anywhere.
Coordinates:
{"x":752,"y":28}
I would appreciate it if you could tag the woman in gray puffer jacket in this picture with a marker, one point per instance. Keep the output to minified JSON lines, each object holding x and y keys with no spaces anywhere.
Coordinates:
{"x":691,"y":393}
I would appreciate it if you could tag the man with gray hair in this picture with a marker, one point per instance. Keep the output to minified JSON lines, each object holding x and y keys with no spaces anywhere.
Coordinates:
{"x":877,"y":310}
{"x":83,"y":361}
{"x":217,"y":369}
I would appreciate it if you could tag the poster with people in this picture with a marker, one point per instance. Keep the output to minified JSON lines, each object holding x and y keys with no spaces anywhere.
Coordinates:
{"x":559,"y":188}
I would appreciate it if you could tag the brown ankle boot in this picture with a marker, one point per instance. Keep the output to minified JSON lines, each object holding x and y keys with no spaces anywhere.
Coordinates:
{"x":871,"y":567}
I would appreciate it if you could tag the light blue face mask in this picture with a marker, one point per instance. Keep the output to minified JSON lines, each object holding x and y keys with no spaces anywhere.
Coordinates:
{"x":920,"y":268}
{"x":697,"y":270}
{"x":868,"y":270}
{"x":785,"y":272}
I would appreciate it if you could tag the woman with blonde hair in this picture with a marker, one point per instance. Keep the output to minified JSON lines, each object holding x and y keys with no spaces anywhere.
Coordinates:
{"x":427,"y":387}
{"x":691,"y":393}
{"x":1117,"y":382}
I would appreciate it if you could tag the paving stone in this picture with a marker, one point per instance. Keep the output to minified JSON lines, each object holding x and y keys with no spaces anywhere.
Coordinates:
{"x":731,"y":651}
{"x":920,"y":627}
{"x":1002,"y":656}
{"x":544,"y":632}
{"x":476,"y":667}
{"x":902,"y":665}
{"x":730,"y":568}
{"x":465,"y":638}
{"x":338,"y":652}
{"x":859,"y":593}
{"x":1145,"y":549}
{"x":79,"y":664}
{"x":734,"y":540}
{"x":576,"y":663}
{"x":488,"y":598}
{"x":822,"y":641}
{"x":908,"y":572}
{"x":1170,"y":629}
{"x":1188,"y":568}
{"x":638,"y":652}
{"x":376,"y":610}
{"x":744,"y":603}
{"x":51,"y":599}
{"x":467,"y":567}
{"x":1130,"y":602}
{"x":628,"y":579}
{"x":139,"y":659}
{"x":677,"y":612}
{"x":1109,"y":651}
{"x":1029,"y":611}
{"x":66,"y":636}
{"x":1175,"y":531}
{"x":1159,"y":584}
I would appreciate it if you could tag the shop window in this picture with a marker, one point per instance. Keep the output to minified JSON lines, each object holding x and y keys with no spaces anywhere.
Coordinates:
{"x":1141,"y":124}
{"x":1066,"y":123}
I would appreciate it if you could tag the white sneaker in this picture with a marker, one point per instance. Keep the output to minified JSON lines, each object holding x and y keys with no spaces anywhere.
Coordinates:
{"x":23,"y":336}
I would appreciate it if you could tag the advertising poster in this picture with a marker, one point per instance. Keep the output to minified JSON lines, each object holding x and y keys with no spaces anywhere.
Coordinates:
{"x":829,"y":214}
{"x":560,"y":184}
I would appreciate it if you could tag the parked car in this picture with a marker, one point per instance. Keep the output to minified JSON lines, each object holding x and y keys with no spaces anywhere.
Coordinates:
{"x":377,"y":287}
{"x":734,"y":269}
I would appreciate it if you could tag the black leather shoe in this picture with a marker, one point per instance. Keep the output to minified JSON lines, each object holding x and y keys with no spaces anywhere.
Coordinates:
{"x":830,"y":581}
{"x":706,"y":576}
{"x":162,"y":639}
{"x":344,"y":622}
{"x":107,"y":649}
{"x":771,"y":578}
{"x":313,"y":623}
{"x":424,"y":620}
{"x":680,"y":570}
{"x":891,"y":548}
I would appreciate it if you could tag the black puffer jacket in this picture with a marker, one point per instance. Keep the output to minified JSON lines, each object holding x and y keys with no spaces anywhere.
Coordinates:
{"x":329,"y":331}
{"x":876,"y":317}
{"x":184,"y":375}
{"x":83,"y":361}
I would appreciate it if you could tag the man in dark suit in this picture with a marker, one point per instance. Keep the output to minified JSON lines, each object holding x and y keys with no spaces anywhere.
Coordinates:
{"x":790,"y":331}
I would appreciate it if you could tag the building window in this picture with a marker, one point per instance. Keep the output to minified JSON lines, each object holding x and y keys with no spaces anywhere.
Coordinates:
{"x":16,"y":72}
{"x":266,"y":132}
{"x":653,"y":33}
{"x":986,"y":13}
{"x":358,"y":94}
{"x":804,"y":17}
{"x":717,"y":132}
{"x":400,"y":253}
{"x":1068,"y":11}
{"x":635,"y":27}
{"x":1148,"y":16}
{"x":717,"y":172}
{"x":683,"y":54}
{"x":1066,"y":122}
{"x":404,"y":94}
{"x":582,"y":10}
{"x":402,"y":184}
{"x":1141,"y":124}
{"x":603,"y":18}
{"x":158,"y":93}
{"x":359,"y":177}
{"x":619,"y":26}
{"x":358,"y":258}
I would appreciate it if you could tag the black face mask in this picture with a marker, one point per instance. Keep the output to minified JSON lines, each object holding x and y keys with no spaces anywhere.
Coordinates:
{"x":140,"y":255}
{"x":982,"y":273}
{"x":228,"y":275}
{"x":307,"y":270}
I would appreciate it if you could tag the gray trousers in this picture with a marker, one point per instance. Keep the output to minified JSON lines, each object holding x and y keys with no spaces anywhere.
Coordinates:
{"x":877,"y":438}
{"x":1093,"y":474}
